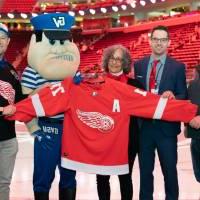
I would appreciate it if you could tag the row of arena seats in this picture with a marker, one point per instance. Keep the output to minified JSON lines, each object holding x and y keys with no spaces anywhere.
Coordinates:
{"x":188,"y":53}
{"x":17,"y":5}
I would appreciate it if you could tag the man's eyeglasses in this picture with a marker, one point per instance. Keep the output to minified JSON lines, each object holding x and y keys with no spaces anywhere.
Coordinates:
{"x":161,"y":40}
{"x":117,"y":59}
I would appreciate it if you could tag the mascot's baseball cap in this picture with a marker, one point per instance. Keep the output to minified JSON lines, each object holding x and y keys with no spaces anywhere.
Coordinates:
{"x":4,"y":29}
{"x":54,"y":25}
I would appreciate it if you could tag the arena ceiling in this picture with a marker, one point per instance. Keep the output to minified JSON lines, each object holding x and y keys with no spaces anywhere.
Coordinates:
{"x":124,"y":7}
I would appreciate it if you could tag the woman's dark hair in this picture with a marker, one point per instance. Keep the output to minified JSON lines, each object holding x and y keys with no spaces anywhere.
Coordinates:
{"x":126,"y":57}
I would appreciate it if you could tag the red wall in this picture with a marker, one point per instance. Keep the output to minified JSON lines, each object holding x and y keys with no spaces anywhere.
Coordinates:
{"x":97,"y":23}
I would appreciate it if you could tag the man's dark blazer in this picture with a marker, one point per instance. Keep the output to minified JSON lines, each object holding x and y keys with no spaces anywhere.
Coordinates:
{"x":133,"y":128}
{"x":173,"y":79}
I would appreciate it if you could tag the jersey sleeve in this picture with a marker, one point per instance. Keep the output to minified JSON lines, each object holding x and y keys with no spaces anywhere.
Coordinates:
{"x":49,"y":101}
{"x":145,"y":104}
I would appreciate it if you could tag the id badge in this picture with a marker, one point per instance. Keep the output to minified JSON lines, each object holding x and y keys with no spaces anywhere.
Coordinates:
{"x":154,"y":91}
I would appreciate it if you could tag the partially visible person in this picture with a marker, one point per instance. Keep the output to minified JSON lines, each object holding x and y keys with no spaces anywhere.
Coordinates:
{"x":163,"y":75}
{"x":194,"y":96}
{"x":116,"y":61}
{"x":10,"y":92}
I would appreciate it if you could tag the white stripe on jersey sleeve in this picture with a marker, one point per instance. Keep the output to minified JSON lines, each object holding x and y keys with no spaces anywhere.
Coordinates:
{"x":37,"y":105}
{"x":160,"y":108}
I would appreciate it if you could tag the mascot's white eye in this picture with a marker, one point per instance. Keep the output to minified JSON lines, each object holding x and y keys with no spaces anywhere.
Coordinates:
{"x":52,"y":42}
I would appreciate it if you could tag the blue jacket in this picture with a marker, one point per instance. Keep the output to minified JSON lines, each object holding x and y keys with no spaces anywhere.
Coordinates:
{"x":173,"y":79}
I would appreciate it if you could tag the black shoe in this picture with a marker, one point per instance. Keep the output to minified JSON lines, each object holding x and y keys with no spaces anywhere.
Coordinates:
{"x":67,"y":193}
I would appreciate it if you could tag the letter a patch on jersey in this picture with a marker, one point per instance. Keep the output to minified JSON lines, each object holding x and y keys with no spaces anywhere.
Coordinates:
{"x":116,"y":106}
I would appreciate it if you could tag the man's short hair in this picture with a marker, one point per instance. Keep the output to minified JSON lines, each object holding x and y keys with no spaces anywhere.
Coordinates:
{"x":160,"y":27}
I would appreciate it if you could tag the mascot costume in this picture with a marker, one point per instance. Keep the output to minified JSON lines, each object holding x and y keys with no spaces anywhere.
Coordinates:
{"x":51,"y":57}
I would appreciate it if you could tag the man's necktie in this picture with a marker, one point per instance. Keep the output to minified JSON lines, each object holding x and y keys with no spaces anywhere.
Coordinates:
{"x":152,"y":77}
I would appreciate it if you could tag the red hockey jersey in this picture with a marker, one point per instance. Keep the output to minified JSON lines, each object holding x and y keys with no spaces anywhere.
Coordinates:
{"x":96,"y":119}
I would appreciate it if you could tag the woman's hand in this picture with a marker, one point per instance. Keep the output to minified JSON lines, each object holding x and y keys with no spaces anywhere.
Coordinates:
{"x":9,"y":110}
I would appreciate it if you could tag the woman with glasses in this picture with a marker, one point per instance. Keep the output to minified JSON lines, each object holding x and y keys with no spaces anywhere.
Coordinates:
{"x":116,"y":61}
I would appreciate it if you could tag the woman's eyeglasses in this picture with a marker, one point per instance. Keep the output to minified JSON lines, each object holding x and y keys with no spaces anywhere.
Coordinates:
{"x":116,"y":59}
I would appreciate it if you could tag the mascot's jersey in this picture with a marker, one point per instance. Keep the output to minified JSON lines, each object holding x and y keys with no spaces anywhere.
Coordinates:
{"x":31,"y":79}
{"x":95,"y":137}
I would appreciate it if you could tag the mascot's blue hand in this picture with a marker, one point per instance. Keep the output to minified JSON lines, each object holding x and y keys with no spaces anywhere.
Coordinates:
{"x":77,"y":78}
{"x":45,"y":140}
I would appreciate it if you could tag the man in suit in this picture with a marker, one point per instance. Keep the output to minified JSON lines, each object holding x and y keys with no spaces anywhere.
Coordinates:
{"x":194,"y":96}
{"x":165,"y":76}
